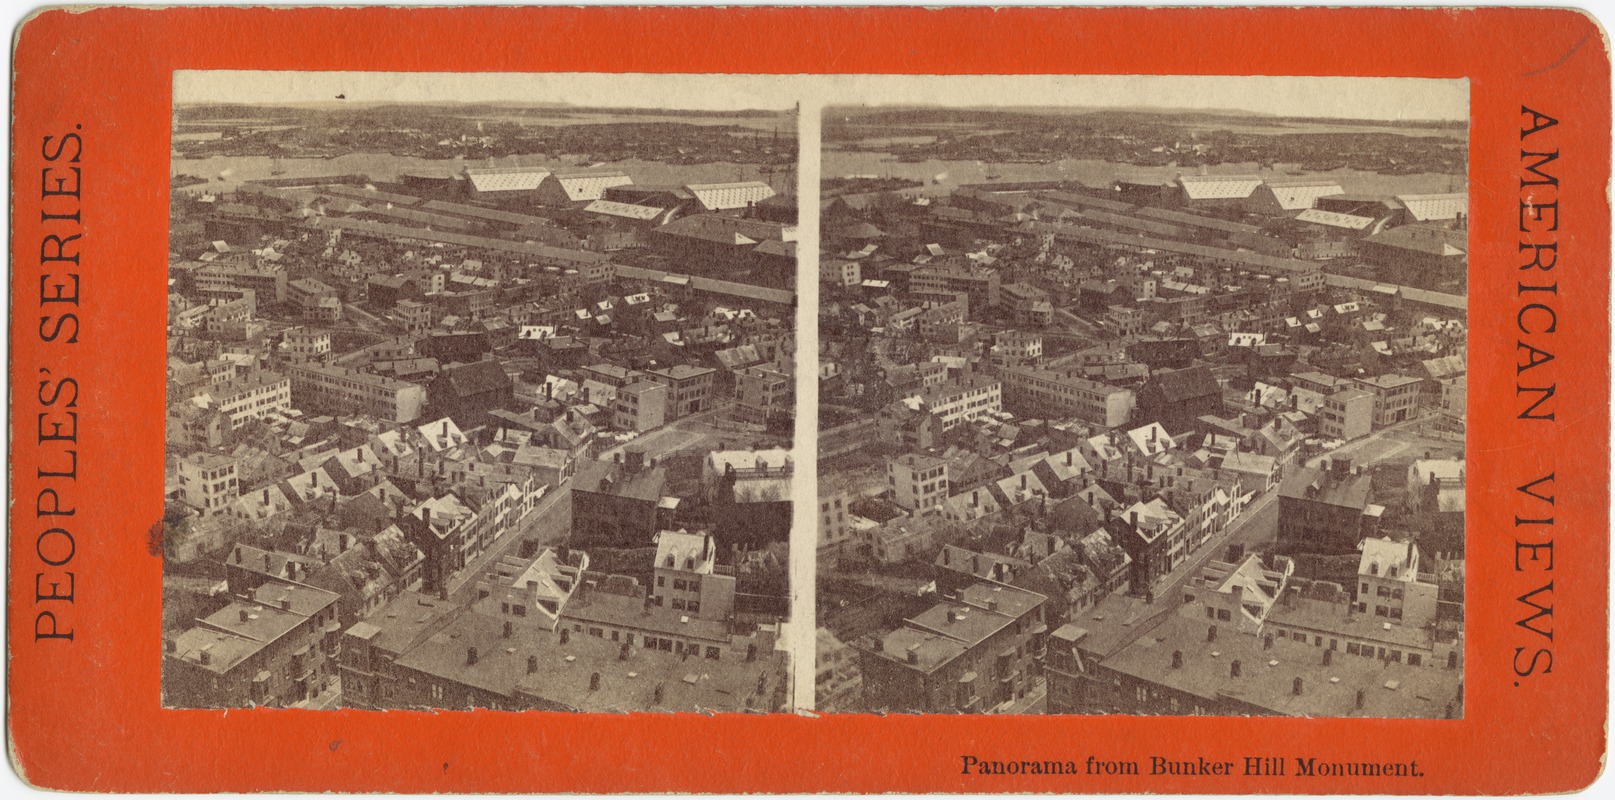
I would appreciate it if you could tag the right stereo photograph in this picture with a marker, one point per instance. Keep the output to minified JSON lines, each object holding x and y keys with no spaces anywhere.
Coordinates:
{"x":1143,"y":395}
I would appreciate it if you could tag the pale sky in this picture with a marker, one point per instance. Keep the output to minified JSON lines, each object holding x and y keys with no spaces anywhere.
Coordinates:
{"x":1356,"y":98}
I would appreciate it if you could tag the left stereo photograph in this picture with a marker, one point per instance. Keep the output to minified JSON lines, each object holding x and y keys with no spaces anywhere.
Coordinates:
{"x":480,"y":392}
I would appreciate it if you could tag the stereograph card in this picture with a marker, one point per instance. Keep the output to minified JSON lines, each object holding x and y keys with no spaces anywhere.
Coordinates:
{"x":809,"y":400}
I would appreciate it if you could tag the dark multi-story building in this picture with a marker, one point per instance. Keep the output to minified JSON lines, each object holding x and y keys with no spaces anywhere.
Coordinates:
{"x":1177,"y":398}
{"x":975,"y":653}
{"x":689,"y":388}
{"x":620,"y":505}
{"x":1326,"y":510}
{"x":467,"y":392}
{"x":272,"y":645}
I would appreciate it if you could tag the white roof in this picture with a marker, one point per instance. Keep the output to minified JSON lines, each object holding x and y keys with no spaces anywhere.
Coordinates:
{"x":1151,"y":439}
{"x":1218,"y":187}
{"x":506,"y":179}
{"x":590,"y":185}
{"x":720,"y":196}
{"x":1381,"y":555}
{"x":1297,"y":196}
{"x":1334,"y":219}
{"x":1427,"y":207}
{"x":612,"y":208}
{"x":695,"y":549}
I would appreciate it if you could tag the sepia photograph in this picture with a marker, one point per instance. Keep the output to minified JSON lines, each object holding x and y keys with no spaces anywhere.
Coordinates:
{"x":1143,"y":395}
{"x":480,"y":392}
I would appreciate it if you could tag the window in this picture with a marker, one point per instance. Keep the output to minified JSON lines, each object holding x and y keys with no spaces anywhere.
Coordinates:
{"x":1211,"y":613}
{"x":712,"y":653}
{"x":692,"y":606}
{"x":678,"y":605}
{"x":661,"y":580}
{"x":1352,"y":648}
{"x":504,"y":608}
{"x":1222,"y":615}
{"x":1415,"y":660}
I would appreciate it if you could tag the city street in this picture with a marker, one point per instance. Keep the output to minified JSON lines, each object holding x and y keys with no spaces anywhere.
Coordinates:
{"x":549,"y":524}
{"x":704,"y":430}
{"x":1258,"y":524}
{"x":1401,"y":440}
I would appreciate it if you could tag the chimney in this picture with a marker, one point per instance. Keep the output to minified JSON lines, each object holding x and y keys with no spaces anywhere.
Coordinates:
{"x":751,"y":652}
{"x":470,"y":656}
{"x":1132,"y":519}
{"x":566,"y":636}
{"x":510,"y":628}
{"x":268,"y":559}
{"x":1233,"y":669}
{"x":285,"y":604}
{"x":913,"y":657}
{"x":952,"y":617}
{"x":243,"y":615}
{"x":1267,"y":642}
{"x":1177,"y":659}
{"x":1295,"y":688}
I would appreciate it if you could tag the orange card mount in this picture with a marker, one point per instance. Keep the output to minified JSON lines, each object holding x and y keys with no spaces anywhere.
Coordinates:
{"x":424,"y":400}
